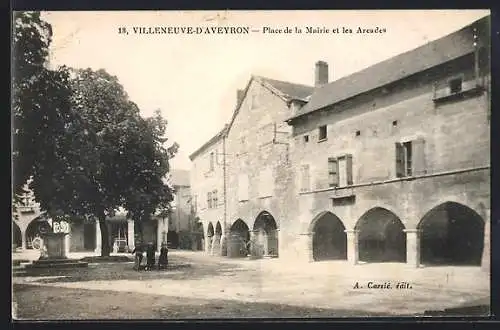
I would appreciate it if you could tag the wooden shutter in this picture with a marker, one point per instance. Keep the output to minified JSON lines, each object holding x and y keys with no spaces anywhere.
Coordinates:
{"x":418,"y":156}
{"x":333,"y":176}
{"x":348,"y":169}
{"x":400,"y":157}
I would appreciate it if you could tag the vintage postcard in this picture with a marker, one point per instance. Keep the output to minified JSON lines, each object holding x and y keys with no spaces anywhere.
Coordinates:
{"x":251,"y":164}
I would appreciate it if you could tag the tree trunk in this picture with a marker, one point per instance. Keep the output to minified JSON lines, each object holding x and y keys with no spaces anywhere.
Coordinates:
{"x":138,"y":229}
{"x":105,"y":247}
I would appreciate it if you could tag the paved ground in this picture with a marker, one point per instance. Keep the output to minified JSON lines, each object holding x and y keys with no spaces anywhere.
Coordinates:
{"x":219,"y":287}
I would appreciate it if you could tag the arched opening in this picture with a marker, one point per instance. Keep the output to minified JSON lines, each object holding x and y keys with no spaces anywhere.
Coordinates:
{"x":210,"y":236}
{"x":216,"y":240}
{"x":451,"y":234}
{"x":199,"y":236}
{"x":239,"y":237}
{"x":329,"y":238}
{"x":381,"y":237}
{"x":266,"y":234}
{"x":34,"y":232}
{"x":17,"y":238}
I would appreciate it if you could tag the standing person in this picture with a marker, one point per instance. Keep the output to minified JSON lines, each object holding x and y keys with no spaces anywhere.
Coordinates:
{"x":138,"y":250}
{"x":150,"y":256}
{"x":163,"y":259}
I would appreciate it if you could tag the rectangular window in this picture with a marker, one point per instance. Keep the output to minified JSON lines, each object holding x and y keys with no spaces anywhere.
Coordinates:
{"x":404,"y":159}
{"x":305,"y":178}
{"x":306,"y":138}
{"x":215,"y":201}
{"x":209,"y":200}
{"x":340,"y":171}
{"x":455,"y":85}
{"x":322,"y":135}
{"x":333,"y":179}
{"x":410,"y":158}
{"x":212,"y":161}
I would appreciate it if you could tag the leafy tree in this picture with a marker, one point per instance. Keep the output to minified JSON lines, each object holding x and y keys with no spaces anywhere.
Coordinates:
{"x":147,"y":164}
{"x":40,"y":97}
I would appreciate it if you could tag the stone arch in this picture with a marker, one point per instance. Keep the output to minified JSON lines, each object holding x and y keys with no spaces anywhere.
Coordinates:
{"x":200,"y":237}
{"x":17,"y":237}
{"x":210,"y":237}
{"x":35,"y":229}
{"x":381,"y":236}
{"x":266,"y":234}
{"x":329,"y":240}
{"x":216,"y":240}
{"x":239,"y":237}
{"x":451,"y":234}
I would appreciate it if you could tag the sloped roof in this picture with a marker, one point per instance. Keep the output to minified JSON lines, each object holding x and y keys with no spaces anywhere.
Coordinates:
{"x":210,"y":142}
{"x":285,"y":90}
{"x":288,"y":89}
{"x":445,"y":49}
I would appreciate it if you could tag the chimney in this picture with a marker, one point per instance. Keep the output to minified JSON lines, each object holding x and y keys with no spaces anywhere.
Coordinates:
{"x":239,"y":95}
{"x":321,"y":74}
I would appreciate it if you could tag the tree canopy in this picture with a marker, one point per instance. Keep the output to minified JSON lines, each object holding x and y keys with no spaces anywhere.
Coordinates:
{"x":82,"y":140}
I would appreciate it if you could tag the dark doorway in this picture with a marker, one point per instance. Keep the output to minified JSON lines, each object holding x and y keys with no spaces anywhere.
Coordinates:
{"x":266,"y":234}
{"x":238,"y":239}
{"x":199,"y":236}
{"x":217,"y":239}
{"x":451,"y":234}
{"x":329,"y":238}
{"x":381,"y":237}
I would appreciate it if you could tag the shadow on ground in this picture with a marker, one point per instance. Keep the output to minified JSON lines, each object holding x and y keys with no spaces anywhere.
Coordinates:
{"x":179,"y":268}
{"x":53,"y":303}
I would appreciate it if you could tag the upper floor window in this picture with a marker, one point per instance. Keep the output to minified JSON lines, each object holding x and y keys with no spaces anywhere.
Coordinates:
{"x":340,"y":171}
{"x":410,"y":158}
{"x":215,"y":200}
{"x":455,"y":85}
{"x":209,"y":200}
{"x":322,"y":134}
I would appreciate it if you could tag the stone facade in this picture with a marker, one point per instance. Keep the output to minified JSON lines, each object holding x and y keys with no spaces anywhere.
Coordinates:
{"x":389,"y":164}
{"x":449,"y":156}
{"x":207,"y":188}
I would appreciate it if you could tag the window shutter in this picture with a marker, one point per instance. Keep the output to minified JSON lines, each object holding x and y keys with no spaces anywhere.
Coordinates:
{"x":333,"y":172}
{"x":418,"y":155}
{"x":400,"y":156}
{"x":348,"y":169}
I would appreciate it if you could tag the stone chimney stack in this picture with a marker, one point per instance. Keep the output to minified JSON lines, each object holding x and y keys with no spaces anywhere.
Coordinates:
{"x":239,"y":95}
{"x":321,"y":74}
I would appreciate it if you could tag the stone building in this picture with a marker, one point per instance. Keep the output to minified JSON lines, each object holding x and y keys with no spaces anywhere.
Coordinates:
{"x":246,"y":166}
{"x":389,"y":164}
{"x":208,"y":190}
{"x":29,"y":222}
{"x":392,"y":163}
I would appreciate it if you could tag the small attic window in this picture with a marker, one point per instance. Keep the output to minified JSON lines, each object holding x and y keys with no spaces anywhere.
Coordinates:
{"x":306,"y":138}
{"x":395,"y":123}
{"x":358,"y":133}
{"x":455,"y":85}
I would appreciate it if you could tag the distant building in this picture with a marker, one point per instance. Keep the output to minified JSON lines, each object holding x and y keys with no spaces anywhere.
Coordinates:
{"x":29,"y":223}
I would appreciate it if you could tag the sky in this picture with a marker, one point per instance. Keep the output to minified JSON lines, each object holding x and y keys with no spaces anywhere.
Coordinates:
{"x":193,"y":79}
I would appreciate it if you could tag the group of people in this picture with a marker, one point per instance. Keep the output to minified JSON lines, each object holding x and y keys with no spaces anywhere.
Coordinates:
{"x":149,"y":250}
